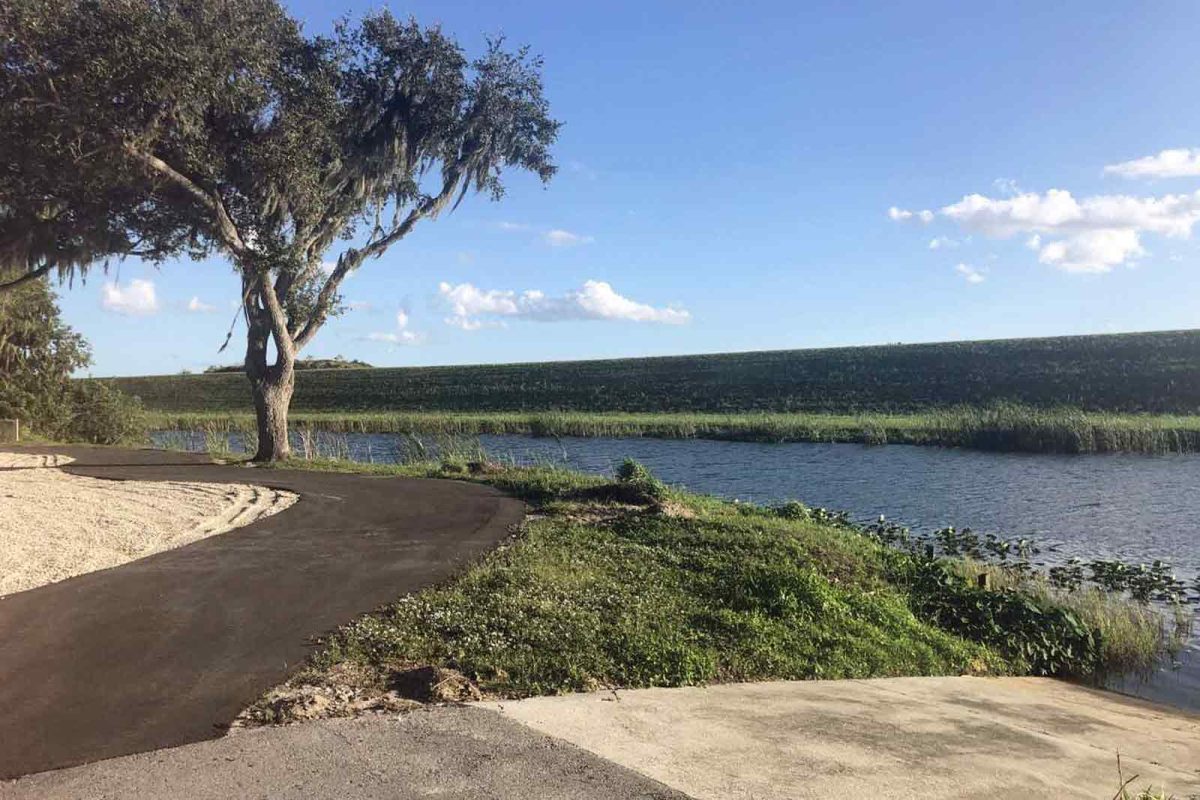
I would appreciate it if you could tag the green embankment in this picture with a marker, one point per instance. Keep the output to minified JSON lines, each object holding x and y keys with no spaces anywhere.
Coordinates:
{"x":1128,"y":392}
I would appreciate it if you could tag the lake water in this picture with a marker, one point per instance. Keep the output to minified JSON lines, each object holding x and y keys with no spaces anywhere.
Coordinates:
{"x":1133,"y":507}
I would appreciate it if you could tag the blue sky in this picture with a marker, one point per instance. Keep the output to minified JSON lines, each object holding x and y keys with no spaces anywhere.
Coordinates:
{"x":753,"y":176}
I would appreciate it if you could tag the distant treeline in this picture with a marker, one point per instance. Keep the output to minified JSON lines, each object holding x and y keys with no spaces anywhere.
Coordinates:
{"x":1143,"y":372}
{"x":336,"y":362}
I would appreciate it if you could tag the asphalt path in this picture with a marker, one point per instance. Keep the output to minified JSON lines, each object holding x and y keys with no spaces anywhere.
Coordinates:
{"x":168,"y":649}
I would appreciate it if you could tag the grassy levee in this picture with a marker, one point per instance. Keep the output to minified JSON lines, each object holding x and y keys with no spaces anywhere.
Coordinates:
{"x":1129,"y":392}
{"x":624,"y":582}
{"x":1155,"y":373}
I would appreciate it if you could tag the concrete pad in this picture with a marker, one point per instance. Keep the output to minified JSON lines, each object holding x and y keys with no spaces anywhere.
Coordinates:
{"x":439,"y":752}
{"x":887,"y":738}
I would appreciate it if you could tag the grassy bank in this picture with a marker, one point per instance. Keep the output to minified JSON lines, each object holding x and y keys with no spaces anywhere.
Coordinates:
{"x":1128,"y":373}
{"x":623,"y":582}
{"x":1000,"y":427}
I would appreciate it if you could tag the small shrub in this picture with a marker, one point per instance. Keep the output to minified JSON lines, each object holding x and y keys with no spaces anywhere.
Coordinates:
{"x":794,"y":510}
{"x":638,"y":484}
{"x":102,"y":414}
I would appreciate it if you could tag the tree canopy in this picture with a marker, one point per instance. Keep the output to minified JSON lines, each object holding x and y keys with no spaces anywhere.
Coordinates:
{"x":38,"y":353}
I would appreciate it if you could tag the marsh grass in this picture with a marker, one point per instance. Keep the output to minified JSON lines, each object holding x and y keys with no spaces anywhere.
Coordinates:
{"x":1134,"y":637}
{"x":998,"y":427}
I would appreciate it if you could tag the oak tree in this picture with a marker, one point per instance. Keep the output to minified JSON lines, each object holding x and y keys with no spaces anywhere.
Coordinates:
{"x":165,"y":128}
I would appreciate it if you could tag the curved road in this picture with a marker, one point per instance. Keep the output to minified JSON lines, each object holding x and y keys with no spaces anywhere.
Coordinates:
{"x":168,"y":649}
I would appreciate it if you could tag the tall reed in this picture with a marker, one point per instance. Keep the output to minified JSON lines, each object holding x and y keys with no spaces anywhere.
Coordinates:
{"x":997,"y":427}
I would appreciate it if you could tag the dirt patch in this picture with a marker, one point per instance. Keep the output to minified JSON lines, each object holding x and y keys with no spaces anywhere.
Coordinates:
{"x":435,"y":685}
{"x":351,"y":690}
{"x":55,"y":525}
{"x":671,"y":508}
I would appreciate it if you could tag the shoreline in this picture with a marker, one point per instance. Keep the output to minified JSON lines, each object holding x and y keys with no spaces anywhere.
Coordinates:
{"x":1003,"y":428}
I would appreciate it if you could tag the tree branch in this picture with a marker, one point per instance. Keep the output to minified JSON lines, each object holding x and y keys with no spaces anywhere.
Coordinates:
{"x":225,"y":227}
{"x":28,"y":276}
{"x":277,"y":316}
{"x":373,"y":249}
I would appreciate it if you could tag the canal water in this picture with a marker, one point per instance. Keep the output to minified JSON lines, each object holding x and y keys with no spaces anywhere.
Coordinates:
{"x":1136,"y":508}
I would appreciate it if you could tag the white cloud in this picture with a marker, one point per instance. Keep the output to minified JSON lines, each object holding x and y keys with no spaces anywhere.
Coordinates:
{"x":903,"y":215}
{"x":561,"y":238}
{"x":1092,"y":234}
{"x":970,"y":274}
{"x":512,"y":226}
{"x":402,"y":335}
{"x":1092,"y":251}
{"x":358,"y":305}
{"x":198,"y":306}
{"x":134,"y":299}
{"x":1181,"y":162}
{"x":595,"y":300}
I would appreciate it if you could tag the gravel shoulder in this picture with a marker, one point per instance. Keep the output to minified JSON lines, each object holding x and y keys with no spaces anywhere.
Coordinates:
{"x":55,"y":525}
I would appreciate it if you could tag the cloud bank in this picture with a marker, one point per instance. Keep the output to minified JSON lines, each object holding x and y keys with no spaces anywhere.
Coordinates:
{"x":1091,"y":234}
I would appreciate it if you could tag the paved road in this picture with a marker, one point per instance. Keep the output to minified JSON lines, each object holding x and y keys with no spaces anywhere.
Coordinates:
{"x":448,"y":753}
{"x":168,"y":649}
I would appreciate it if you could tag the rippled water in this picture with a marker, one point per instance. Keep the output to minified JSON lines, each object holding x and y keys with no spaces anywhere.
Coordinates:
{"x":1133,"y":507}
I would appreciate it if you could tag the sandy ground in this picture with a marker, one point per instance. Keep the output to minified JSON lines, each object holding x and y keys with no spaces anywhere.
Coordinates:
{"x":54,"y":525}
{"x":888,"y":739}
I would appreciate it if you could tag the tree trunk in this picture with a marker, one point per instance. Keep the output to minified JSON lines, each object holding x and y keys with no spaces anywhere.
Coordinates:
{"x":271,"y":386}
{"x":272,"y":397}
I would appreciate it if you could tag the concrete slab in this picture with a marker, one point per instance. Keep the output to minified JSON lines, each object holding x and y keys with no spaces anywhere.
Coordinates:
{"x":439,"y":752}
{"x":888,"y":738}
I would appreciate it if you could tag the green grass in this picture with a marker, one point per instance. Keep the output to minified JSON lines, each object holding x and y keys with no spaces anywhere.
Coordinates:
{"x":1003,"y":427}
{"x":1128,"y":373}
{"x":622,"y":583}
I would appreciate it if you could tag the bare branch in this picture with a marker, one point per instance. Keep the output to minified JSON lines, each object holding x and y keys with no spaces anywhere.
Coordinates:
{"x":346,"y":262}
